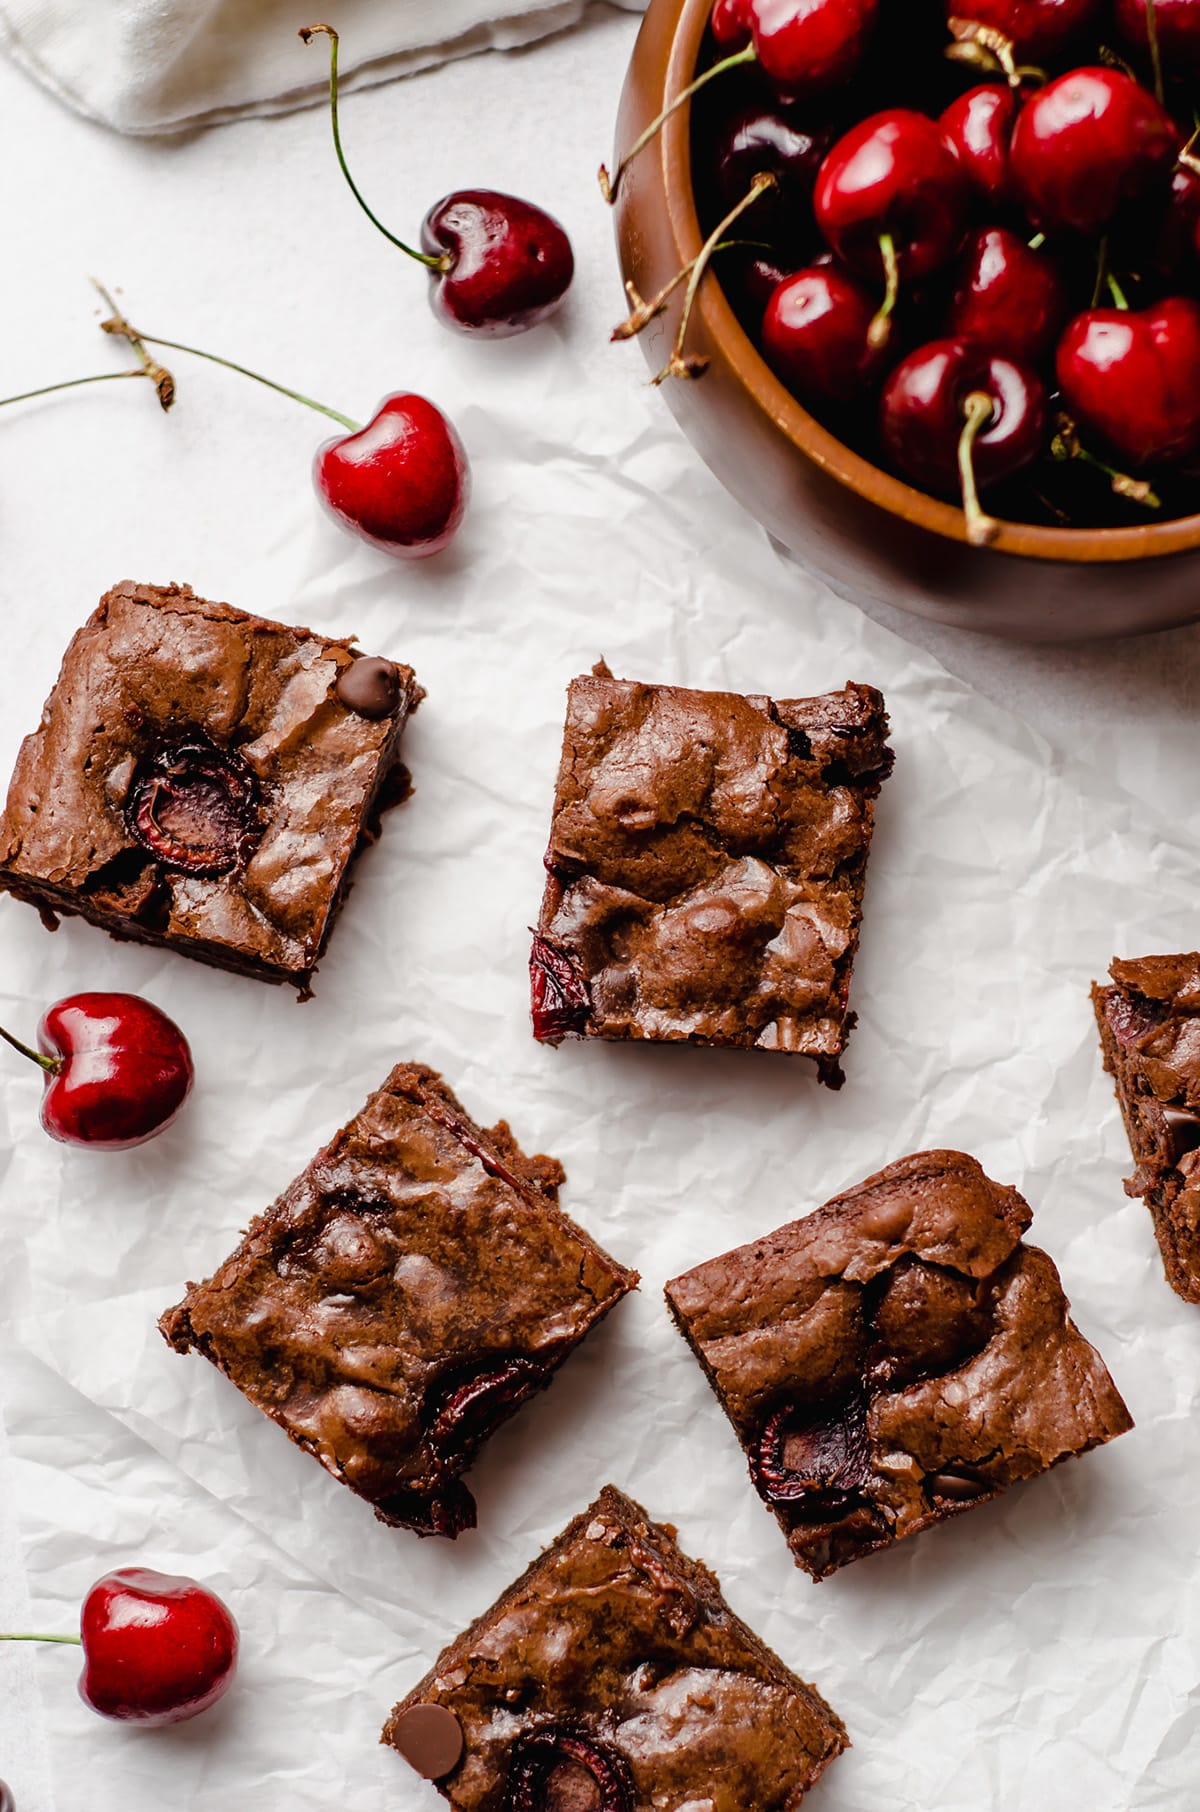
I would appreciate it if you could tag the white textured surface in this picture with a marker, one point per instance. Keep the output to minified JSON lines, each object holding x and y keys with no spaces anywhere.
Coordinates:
{"x":1038,"y":1653}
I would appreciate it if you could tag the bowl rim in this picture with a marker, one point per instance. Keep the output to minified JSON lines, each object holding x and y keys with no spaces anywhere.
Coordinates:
{"x":1079,"y":546}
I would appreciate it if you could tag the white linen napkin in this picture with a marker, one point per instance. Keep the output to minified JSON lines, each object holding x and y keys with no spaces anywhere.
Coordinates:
{"x":154,"y":66}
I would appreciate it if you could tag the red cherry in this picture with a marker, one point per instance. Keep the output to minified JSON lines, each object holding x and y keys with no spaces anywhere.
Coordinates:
{"x":504,"y":265}
{"x":1009,"y":299}
{"x":762,"y":137}
{"x":1133,"y":378}
{"x":157,"y":1648}
{"x":1038,"y":29}
{"x":978,"y":128}
{"x":810,"y":47}
{"x":7,"y":1802}
{"x":1177,"y":24}
{"x":816,"y":334}
{"x":116,"y":1070}
{"x":401,"y":483}
{"x":729,"y":24}
{"x":953,"y":418}
{"x":1086,"y":144}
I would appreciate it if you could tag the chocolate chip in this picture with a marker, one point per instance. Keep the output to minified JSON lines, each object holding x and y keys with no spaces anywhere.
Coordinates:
{"x":959,"y":1487}
{"x":430,"y":1739}
{"x":370,"y":686}
{"x":1183,"y":1132}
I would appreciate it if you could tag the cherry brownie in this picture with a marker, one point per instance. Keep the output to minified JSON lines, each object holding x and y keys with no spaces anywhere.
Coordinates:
{"x":896,"y":1358}
{"x":706,"y":867}
{"x":203,"y":779}
{"x":613,"y":1677}
{"x":409,"y":1291}
{"x":1149,"y":1022}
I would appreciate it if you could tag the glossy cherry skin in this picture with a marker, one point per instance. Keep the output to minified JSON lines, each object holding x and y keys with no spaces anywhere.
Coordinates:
{"x":815,"y":336}
{"x":762,"y":138}
{"x":730,"y":24}
{"x":123,"y":1071}
{"x":810,"y":47}
{"x":922,"y":414}
{"x":157,"y":1648}
{"x":1132,"y":377}
{"x":509,"y":264}
{"x":1037,"y":29}
{"x":1178,"y":26}
{"x":1008,"y":299}
{"x":978,"y":128}
{"x":893,"y":173}
{"x":1086,"y":144}
{"x":401,"y":483}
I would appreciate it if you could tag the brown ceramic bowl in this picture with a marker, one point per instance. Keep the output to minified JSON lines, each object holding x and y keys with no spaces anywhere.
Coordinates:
{"x":870,"y":535}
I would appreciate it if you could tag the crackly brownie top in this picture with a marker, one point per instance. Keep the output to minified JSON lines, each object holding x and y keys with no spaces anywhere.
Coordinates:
{"x":206,"y":771}
{"x":413,"y":1278}
{"x":898,"y":1349}
{"x":706,"y":862}
{"x":613,"y":1677}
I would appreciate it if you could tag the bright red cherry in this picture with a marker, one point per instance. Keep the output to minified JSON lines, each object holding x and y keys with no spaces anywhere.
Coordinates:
{"x":955,"y":420}
{"x":810,"y":47}
{"x":1008,"y":299}
{"x":498,"y":264}
{"x":116,"y":1070}
{"x":1040,"y":30}
{"x":816,"y":335}
{"x":729,"y":24}
{"x":978,"y":128}
{"x":1086,"y":144}
{"x":1132,"y":377}
{"x":891,"y":200}
{"x":1177,"y":23}
{"x":401,"y":483}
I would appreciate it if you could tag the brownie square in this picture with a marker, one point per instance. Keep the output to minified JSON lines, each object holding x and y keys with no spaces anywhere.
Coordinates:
{"x":1149,"y":1022}
{"x":413,"y":1287}
{"x":202,"y":779}
{"x":706,"y":865}
{"x":613,"y":1677}
{"x":897,"y":1357}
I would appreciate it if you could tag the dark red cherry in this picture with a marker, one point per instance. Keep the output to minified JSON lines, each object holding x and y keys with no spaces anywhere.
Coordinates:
{"x":401,"y":483}
{"x":1132,"y":378}
{"x":559,"y":1769}
{"x":893,"y":174}
{"x":506,"y":265}
{"x":470,"y":1403}
{"x":816,"y":336}
{"x":750,"y":281}
{"x":978,"y":128}
{"x":955,"y":420}
{"x":814,"y":1460}
{"x":1177,"y":23}
{"x":1085,"y":145}
{"x":116,"y":1070}
{"x":775,"y":139}
{"x":1008,"y":299}
{"x":559,"y":993}
{"x":157,"y":1649}
{"x":810,"y":47}
{"x":1038,"y":30}
{"x":1163,"y":242}
{"x":194,"y":806}
{"x":7,"y":1802}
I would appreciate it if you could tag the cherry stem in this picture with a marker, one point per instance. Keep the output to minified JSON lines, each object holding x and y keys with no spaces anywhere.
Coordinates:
{"x":678,"y":365}
{"x":158,"y":374}
{"x":1118,"y":294}
{"x":1155,"y":51}
{"x":1066,"y":445}
{"x":610,"y":184}
{"x":51,"y":1065}
{"x":643,"y":311}
{"x":977,"y":413}
{"x":988,"y":48}
{"x":880,"y":330}
{"x":1101,"y":273}
{"x":430,"y":261}
{"x":1189,"y":157}
{"x":1037,"y":242}
{"x":99,"y":377}
{"x":75,"y":1641}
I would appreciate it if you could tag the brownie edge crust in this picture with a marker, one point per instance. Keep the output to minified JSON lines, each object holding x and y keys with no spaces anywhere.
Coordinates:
{"x":202,"y":779}
{"x":613,"y":1676}
{"x":706,"y":866}
{"x":896,"y":1358}
{"x":411,"y":1289}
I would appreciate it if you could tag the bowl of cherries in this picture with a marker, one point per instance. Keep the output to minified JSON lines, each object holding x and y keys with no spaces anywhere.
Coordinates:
{"x":921,"y":282}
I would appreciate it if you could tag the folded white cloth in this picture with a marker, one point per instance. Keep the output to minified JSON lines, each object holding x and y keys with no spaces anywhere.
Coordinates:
{"x":151,"y":66}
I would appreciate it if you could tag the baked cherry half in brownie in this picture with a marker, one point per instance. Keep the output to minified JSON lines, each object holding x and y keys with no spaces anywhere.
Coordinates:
{"x":202,"y":779}
{"x":897,"y":1357}
{"x":613,"y":1677}
{"x":408,"y":1292}
{"x":1149,"y":1022}
{"x":706,"y":866}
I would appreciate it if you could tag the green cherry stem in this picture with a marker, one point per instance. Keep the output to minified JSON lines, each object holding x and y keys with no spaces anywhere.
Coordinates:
{"x":977,"y":413}
{"x":52,"y":1066}
{"x":880,"y":330}
{"x":75,"y":1641}
{"x":680,"y":364}
{"x":98,"y":377}
{"x":1155,"y":50}
{"x":1117,"y":293}
{"x":429,"y":260}
{"x":610,"y":184}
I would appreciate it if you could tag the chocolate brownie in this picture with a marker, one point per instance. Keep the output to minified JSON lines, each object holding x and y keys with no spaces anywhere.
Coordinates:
{"x":413,"y":1287}
{"x":203,"y":779}
{"x":706,"y":866}
{"x":897,"y":1357}
{"x":1149,"y":1022}
{"x":613,"y":1677}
